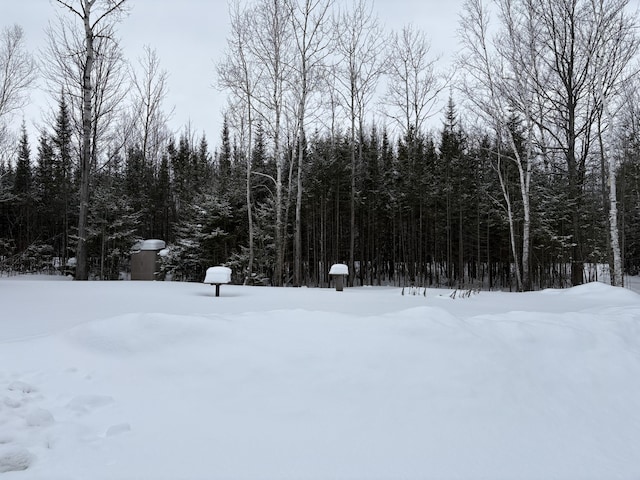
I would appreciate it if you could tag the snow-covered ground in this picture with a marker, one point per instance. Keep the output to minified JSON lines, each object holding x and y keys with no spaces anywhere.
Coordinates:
{"x":137,"y":380}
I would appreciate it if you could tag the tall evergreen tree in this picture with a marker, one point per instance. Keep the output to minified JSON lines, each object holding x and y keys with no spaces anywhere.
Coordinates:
{"x":65,"y":191}
{"x":453,"y":160}
{"x":224,"y":157}
{"x":23,"y":180}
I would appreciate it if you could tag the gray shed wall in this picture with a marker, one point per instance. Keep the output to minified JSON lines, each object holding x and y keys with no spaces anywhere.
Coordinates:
{"x":144,"y":265}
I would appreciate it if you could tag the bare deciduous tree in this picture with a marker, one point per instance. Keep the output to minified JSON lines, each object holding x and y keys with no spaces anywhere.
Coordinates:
{"x":17,"y":71}
{"x":498,"y":83}
{"x":272,"y":48}
{"x":565,"y":78}
{"x":255,"y":70}
{"x":310,"y":29}
{"x":360,"y":64}
{"x":237,"y":74}
{"x":556,"y":65}
{"x":75,"y":55}
{"x":17,"y":76}
{"x":414,"y":85}
{"x":618,"y":46}
{"x":149,"y":91}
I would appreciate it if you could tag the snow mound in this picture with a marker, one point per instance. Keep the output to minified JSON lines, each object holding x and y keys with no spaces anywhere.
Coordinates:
{"x":425,"y":313}
{"x":142,"y":333}
{"x":13,"y":459}
{"x":119,"y":429}
{"x":12,"y":402}
{"x":39,"y":417}
{"x":596,"y":290}
{"x":87,"y":403}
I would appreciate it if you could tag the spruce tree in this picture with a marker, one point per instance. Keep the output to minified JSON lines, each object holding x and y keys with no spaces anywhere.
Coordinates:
{"x":453,"y":162}
{"x":64,"y":191}
{"x":45,"y":190}
{"x":162,"y":202}
{"x":23,"y":179}
{"x":224,"y":157}
{"x":23,"y":200}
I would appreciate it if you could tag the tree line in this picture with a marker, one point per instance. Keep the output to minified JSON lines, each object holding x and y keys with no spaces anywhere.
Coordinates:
{"x":329,"y":153}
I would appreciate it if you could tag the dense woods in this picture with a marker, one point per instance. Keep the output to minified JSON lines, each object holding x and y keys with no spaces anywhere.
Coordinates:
{"x":341,"y":143}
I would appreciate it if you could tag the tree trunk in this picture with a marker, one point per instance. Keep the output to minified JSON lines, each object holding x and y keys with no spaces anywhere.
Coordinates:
{"x":617,"y":279}
{"x":297,"y":260}
{"x":249,"y":278}
{"x":82,"y":272}
{"x":512,"y":233}
{"x":352,"y":218}
{"x":279,"y":268}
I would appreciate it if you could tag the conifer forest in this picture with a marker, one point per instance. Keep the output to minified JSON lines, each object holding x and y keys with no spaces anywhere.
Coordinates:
{"x":516,"y":167}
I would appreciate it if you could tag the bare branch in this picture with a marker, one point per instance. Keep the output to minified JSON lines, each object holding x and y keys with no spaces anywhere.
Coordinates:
{"x":17,"y":71}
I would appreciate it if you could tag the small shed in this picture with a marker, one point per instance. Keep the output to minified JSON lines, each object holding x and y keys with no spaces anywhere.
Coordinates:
{"x":145,"y":263}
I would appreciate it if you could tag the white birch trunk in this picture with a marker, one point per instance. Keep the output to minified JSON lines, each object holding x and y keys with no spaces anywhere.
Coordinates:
{"x":617,"y":279}
{"x":82,"y":272}
{"x":512,"y":232}
{"x":84,"y":11}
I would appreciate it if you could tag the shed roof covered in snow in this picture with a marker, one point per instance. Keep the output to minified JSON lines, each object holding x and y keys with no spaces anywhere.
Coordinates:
{"x":152,"y":245}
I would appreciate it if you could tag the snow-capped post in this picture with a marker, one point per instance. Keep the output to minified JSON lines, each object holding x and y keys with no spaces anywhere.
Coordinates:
{"x":339,"y":271}
{"x":217,"y":276}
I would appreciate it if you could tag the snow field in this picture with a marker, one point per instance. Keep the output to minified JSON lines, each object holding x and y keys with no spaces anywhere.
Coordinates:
{"x":303,"y":383}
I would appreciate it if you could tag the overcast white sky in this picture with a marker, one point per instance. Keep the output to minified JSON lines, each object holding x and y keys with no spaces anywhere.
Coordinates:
{"x":190,"y":36}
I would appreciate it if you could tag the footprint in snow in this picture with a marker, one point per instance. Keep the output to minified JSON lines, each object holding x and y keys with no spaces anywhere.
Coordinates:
{"x":18,"y":386}
{"x":14,"y":459}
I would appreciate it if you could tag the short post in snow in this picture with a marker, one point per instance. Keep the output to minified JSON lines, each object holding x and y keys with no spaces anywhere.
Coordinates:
{"x":218,"y":276}
{"x":339,"y":271}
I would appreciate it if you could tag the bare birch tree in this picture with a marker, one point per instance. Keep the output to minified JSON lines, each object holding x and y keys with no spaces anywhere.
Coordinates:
{"x":273,"y":48}
{"x":238,"y":74}
{"x":498,"y":83}
{"x":557,"y":64}
{"x":96,"y":19}
{"x":256,"y":70}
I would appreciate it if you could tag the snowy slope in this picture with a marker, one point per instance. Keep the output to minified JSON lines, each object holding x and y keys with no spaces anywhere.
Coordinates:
{"x":136,"y":380}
